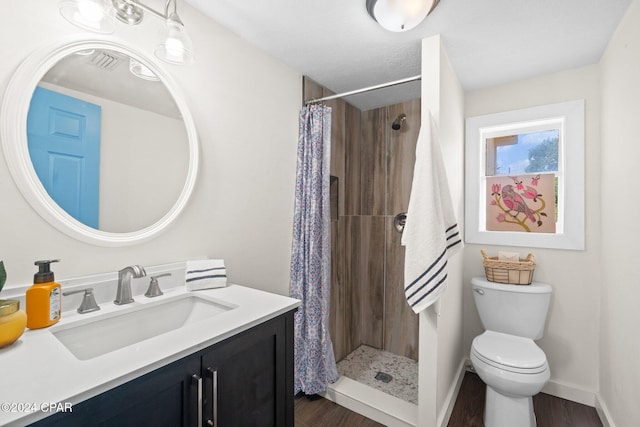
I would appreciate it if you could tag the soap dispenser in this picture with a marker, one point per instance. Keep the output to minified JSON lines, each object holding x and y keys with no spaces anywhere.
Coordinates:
{"x":43,"y":298}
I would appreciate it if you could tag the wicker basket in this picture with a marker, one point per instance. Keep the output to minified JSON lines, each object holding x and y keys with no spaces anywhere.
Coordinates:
{"x":512,"y":272}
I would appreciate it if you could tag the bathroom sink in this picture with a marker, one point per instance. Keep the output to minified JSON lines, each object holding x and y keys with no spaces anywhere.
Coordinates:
{"x":112,"y":331}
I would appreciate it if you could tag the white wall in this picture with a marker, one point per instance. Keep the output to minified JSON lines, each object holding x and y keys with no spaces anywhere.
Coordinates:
{"x":441,"y":327}
{"x":450,"y":322}
{"x":571,"y":342}
{"x":620,"y":291}
{"x":245,"y":106}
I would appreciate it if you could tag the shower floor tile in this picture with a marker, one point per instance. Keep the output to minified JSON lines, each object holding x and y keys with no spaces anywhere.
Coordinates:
{"x":364,"y":363}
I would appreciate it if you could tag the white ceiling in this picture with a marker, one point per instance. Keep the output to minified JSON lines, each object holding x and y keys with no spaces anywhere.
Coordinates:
{"x":489,"y":42}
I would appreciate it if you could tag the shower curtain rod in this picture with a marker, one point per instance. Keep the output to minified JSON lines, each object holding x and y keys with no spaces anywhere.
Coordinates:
{"x":366,"y":89}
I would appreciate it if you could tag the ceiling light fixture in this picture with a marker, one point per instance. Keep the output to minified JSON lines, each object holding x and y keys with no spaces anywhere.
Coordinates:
{"x":400,"y":15}
{"x":98,"y":16}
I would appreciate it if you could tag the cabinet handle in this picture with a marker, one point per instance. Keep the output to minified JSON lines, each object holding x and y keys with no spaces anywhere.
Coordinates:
{"x":197,"y":379}
{"x":214,"y":400}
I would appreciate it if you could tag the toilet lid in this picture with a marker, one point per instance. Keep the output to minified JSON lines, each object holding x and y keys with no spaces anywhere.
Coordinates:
{"x":516,"y":354}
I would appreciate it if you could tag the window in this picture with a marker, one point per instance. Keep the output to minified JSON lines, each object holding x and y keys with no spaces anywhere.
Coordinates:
{"x":525,"y":177}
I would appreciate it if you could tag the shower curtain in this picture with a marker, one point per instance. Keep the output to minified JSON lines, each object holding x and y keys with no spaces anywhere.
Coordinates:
{"x":314,"y":361}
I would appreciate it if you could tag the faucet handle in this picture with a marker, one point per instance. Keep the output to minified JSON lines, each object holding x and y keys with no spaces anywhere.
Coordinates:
{"x":154,"y":288}
{"x":88,"y":303}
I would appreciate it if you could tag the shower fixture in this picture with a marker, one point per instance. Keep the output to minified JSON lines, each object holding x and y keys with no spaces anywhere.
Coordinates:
{"x":397,"y":123}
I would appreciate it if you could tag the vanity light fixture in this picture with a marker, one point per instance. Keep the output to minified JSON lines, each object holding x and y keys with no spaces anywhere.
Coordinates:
{"x":89,"y":15}
{"x":98,"y":16}
{"x":400,"y":15}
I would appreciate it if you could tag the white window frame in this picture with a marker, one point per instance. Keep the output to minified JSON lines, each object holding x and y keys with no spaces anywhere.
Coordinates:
{"x":568,"y":117}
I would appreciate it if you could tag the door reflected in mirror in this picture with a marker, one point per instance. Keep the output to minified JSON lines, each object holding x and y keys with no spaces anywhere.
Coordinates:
{"x":107,"y":141}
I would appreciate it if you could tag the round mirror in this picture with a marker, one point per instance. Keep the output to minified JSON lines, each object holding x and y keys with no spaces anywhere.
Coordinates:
{"x":99,"y":140}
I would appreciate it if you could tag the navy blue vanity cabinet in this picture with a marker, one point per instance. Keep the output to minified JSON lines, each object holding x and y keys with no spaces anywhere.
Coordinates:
{"x":249,"y":378}
{"x":165,"y":397}
{"x":245,"y":380}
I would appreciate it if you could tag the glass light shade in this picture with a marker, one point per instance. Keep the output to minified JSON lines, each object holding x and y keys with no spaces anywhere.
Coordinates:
{"x":175,"y":47}
{"x":92,"y":15}
{"x":142,"y":71}
{"x":400,"y":15}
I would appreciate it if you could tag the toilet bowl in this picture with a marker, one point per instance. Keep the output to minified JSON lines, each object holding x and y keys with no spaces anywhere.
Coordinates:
{"x":505,"y":356}
{"x":514,"y":369}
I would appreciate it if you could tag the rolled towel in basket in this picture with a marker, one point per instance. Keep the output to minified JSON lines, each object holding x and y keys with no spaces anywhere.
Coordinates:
{"x":205,"y":274}
{"x":508,"y":256}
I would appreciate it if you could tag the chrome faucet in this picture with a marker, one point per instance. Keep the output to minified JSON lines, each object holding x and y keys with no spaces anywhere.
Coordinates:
{"x":123,"y":295}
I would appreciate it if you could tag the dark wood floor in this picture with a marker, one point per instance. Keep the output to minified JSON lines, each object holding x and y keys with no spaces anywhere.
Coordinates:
{"x":316,"y":411}
{"x":550,"y":411}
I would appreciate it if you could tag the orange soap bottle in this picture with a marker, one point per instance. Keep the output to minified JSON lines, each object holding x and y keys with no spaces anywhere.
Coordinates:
{"x":44,"y":298}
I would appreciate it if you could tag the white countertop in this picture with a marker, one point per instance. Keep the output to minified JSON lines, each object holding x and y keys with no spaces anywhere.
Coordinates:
{"x":38,"y":369}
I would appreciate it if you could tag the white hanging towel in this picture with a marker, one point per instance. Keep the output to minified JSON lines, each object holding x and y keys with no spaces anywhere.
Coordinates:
{"x":431,"y":233}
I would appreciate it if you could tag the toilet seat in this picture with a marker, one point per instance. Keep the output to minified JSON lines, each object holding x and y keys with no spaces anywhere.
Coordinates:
{"x":509,"y":353}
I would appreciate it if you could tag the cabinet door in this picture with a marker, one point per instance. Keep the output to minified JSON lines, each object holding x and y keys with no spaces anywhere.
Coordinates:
{"x":165,"y":397}
{"x":249,"y":377}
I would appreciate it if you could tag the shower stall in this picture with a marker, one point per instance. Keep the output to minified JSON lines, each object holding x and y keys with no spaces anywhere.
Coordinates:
{"x":373,"y":329}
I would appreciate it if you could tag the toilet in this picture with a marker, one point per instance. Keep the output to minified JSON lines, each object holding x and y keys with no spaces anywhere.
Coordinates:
{"x":505,"y":356}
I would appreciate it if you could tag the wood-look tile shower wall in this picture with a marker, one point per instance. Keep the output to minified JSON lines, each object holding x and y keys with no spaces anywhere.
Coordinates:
{"x":374,"y":167}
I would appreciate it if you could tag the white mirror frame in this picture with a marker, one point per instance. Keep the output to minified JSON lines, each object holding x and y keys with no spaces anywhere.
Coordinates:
{"x":13,"y":132}
{"x":572,"y":235}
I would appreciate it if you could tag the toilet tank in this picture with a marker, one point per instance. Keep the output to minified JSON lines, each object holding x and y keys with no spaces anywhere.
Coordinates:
{"x":519,"y":310}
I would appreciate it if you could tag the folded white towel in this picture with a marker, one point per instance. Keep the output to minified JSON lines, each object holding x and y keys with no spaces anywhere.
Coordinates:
{"x":508,"y":256}
{"x":431,"y":232}
{"x":205,"y":274}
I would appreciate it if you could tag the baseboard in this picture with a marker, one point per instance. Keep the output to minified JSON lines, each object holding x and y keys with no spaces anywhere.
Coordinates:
{"x":603,"y":412}
{"x":372,"y":403}
{"x":570,"y":392}
{"x":450,"y":400}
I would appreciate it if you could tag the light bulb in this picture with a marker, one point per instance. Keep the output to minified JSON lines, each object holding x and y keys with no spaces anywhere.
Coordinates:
{"x":90,"y":11}
{"x":87,"y":14}
{"x":175,"y":48}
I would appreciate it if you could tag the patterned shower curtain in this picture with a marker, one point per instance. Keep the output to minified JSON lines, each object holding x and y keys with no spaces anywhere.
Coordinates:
{"x":314,"y":362}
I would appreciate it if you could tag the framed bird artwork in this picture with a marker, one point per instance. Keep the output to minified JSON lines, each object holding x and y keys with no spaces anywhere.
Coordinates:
{"x":526,"y":202}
